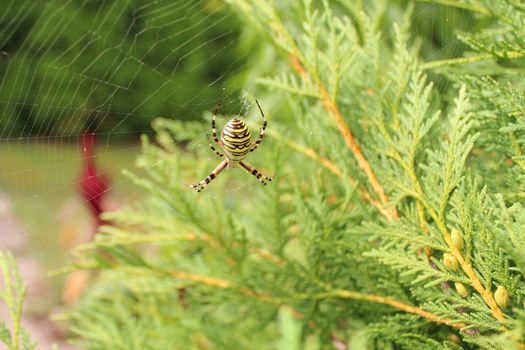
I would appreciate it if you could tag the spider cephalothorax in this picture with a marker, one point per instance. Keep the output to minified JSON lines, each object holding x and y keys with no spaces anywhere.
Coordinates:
{"x":236,"y":142}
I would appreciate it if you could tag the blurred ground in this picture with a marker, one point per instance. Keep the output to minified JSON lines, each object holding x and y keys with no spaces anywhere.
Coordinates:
{"x":42,"y":218}
{"x":38,"y":306}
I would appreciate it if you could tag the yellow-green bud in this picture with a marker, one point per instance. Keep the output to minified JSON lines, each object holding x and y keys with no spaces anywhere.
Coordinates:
{"x":453,"y":338}
{"x":457,"y":239}
{"x":502,"y":296}
{"x":450,"y":262}
{"x":461,"y":289}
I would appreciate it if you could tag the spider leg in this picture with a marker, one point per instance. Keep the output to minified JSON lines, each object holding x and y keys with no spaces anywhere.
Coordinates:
{"x":201,"y":185}
{"x":261,"y":132}
{"x":260,"y":176}
{"x":213,"y":148}
{"x":213,"y":126}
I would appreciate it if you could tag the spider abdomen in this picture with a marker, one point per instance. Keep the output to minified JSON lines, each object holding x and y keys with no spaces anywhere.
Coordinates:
{"x":236,"y":142}
{"x":236,"y":139}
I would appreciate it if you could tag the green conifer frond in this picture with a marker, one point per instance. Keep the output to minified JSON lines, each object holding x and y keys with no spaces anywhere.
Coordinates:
{"x":392,"y":233}
{"x":12,"y":294}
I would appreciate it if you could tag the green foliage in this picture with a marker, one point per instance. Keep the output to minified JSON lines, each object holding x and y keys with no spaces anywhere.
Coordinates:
{"x":13,"y":294}
{"x":114,"y":66}
{"x":347,"y":247}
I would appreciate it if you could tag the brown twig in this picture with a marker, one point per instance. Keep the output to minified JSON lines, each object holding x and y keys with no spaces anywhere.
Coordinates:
{"x":328,"y":164}
{"x":332,"y":108}
{"x":268,"y":256}
{"x":465,"y":266}
{"x":210,"y":281}
{"x":471,"y":59}
{"x":396,"y":304}
{"x":475,"y":282}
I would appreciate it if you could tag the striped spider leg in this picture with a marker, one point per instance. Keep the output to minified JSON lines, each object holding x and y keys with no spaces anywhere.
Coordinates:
{"x":261,"y":132}
{"x":213,"y":148}
{"x":236,"y":143}
{"x":213,"y":126}
{"x":260,"y":176}
{"x":201,"y":185}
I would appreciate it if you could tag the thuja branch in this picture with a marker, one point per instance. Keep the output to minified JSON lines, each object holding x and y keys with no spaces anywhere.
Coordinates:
{"x":471,"y":59}
{"x":114,"y":237}
{"x":333,"y":168}
{"x":287,"y":43}
{"x":467,"y":267}
{"x":334,"y":111}
{"x":336,"y":293}
{"x":397,"y":305}
{"x":13,"y":294}
{"x":409,"y":167}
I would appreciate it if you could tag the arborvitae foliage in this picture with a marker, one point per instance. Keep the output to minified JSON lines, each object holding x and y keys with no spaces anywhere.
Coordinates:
{"x":12,"y":294}
{"x":395,"y":220}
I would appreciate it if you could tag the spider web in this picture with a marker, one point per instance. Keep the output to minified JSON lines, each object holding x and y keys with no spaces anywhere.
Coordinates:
{"x":110,"y":67}
{"x":113,"y":66}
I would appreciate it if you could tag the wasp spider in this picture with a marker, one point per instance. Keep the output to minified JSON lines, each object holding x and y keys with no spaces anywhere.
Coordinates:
{"x":236,"y":143}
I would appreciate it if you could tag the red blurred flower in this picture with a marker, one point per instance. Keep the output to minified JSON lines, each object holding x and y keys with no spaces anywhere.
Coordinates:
{"x":93,"y":185}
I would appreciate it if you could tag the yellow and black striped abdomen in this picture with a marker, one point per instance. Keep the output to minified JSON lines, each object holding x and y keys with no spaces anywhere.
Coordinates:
{"x":236,"y":139}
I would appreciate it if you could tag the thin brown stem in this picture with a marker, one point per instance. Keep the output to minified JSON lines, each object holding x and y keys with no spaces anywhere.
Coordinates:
{"x":334,"y":111}
{"x":396,"y":304}
{"x":475,"y":282}
{"x":465,"y":266}
{"x":471,"y":59}
{"x":210,"y":281}
{"x":333,"y":168}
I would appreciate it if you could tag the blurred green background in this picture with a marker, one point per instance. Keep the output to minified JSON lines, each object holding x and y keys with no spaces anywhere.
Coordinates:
{"x":111,"y":65}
